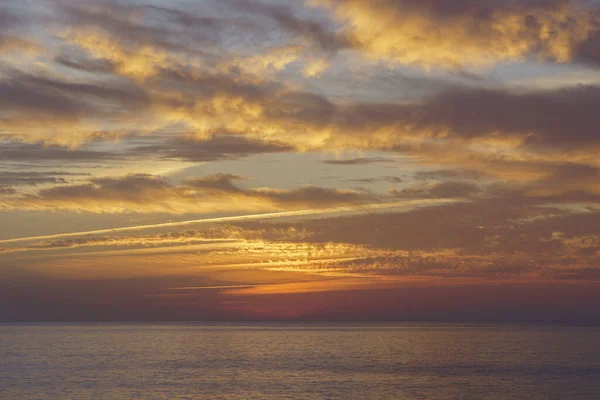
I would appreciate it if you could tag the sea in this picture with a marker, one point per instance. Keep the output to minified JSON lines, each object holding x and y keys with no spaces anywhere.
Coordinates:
{"x":298,"y":361}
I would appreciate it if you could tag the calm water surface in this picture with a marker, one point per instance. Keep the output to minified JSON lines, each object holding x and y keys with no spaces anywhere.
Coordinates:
{"x":264,"y":361}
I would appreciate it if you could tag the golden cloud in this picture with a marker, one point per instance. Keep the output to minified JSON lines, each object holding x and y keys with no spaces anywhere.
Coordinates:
{"x":430,"y":33}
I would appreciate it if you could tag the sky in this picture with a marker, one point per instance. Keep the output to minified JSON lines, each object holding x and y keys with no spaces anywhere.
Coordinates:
{"x":300,"y":160}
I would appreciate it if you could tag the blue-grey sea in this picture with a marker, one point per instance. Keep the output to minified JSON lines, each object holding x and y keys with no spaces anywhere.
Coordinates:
{"x":295,"y":361}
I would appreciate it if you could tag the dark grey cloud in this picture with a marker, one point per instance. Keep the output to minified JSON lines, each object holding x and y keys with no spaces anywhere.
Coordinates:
{"x":34,"y":95}
{"x":315,"y":195}
{"x":454,"y":189}
{"x":301,"y":107}
{"x":84,"y":63}
{"x":564,"y":118}
{"x":133,"y":188}
{"x":34,"y":152}
{"x":217,"y":147}
{"x":389,"y":179}
{"x":304,"y":195}
{"x":218,"y":182}
{"x":446,"y":174}
{"x":445,"y":189}
{"x":35,"y":178}
{"x":361,"y":161}
{"x":118,"y":94}
{"x":551,"y":182}
{"x":18,"y":96}
{"x":562,"y":183}
{"x":7,"y":190}
{"x":559,"y":118}
{"x":208,"y":84}
{"x":483,"y":9}
{"x":589,"y":51}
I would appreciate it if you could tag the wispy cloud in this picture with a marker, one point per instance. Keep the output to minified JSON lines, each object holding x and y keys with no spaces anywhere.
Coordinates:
{"x":239,"y":218}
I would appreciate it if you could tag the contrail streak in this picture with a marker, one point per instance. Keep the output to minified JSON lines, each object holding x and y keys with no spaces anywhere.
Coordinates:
{"x":236,"y":218}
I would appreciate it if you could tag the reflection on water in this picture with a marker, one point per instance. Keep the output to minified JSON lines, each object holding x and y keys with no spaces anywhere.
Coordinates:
{"x":261,"y":361}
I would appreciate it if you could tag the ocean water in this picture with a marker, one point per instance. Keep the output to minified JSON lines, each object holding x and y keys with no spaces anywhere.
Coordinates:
{"x":289,"y":361}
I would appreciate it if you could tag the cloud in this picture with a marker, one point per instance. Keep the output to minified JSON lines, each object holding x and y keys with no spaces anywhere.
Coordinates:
{"x":113,"y":84}
{"x":19,"y":96}
{"x":485,"y":239}
{"x":454,"y":189}
{"x":51,"y":109}
{"x":540,"y":120}
{"x":145,"y":76}
{"x":532,"y":122}
{"x":427,"y":33}
{"x":139,"y":40}
{"x":145,"y":25}
{"x":7,"y":190}
{"x":308,"y":196}
{"x":481,"y":241}
{"x":360,"y":161}
{"x":82,"y":62}
{"x":35,"y":178}
{"x":14,"y":33}
{"x":314,"y":196}
{"x":222,"y":236}
{"x":446,"y":174}
{"x":389,"y":179}
{"x":143,"y":84}
{"x":217,"y":182}
{"x":217,"y":147}
{"x":531,"y":126}
{"x":148,"y":193}
{"x":314,"y":31}
{"x":462,"y":225}
{"x":343,"y":210}
{"x":561,"y":183}
{"x":39,"y":152}
{"x":560,"y":118}
{"x":588,"y":52}
{"x":445,"y":189}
